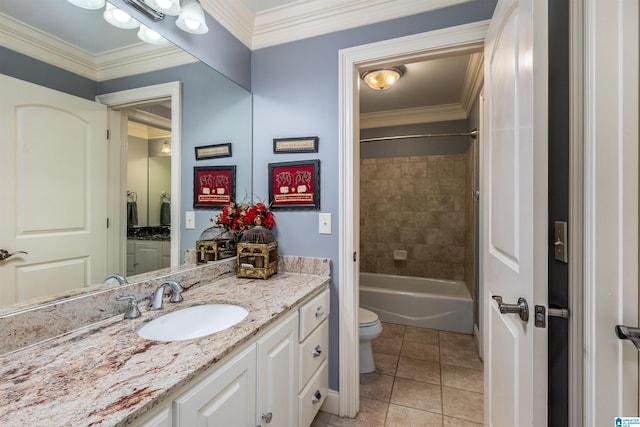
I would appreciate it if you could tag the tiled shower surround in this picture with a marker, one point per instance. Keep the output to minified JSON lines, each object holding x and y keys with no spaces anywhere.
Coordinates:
{"x":415,"y":204}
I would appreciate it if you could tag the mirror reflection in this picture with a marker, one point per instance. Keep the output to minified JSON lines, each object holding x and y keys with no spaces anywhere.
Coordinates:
{"x":213,"y":110}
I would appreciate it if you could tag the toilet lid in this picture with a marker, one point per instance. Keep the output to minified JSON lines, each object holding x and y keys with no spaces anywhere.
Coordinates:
{"x":366,"y":317}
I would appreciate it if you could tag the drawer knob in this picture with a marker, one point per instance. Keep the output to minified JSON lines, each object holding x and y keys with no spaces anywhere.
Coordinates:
{"x":317,"y":351}
{"x":316,"y":397}
{"x":267,"y":417}
{"x":319,"y":312}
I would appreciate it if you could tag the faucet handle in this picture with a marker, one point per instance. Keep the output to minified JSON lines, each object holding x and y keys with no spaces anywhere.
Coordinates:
{"x":132,"y":309}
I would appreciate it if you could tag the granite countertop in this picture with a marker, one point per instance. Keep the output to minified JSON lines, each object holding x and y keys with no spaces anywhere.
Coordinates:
{"x":106,"y":375}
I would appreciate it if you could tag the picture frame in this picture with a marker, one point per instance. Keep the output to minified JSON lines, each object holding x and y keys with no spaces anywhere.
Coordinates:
{"x":295,"y":185}
{"x":213,"y":151}
{"x":307,"y":144}
{"x":213,"y":186}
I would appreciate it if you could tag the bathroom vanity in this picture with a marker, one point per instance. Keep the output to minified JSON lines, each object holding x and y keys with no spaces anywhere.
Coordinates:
{"x":268,"y":369}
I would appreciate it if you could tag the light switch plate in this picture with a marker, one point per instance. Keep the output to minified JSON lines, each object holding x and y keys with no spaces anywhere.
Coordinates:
{"x":324,"y":223}
{"x":560,"y":241}
{"x":190,"y":220}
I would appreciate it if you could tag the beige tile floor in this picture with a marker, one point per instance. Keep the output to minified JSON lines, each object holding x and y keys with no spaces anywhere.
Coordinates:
{"x":423,"y":377}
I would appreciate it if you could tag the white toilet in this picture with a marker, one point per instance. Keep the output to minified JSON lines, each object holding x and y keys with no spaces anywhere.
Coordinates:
{"x":370,"y":327}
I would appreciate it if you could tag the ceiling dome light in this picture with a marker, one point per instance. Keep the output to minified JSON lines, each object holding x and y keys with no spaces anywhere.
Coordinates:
{"x":191,"y":18}
{"x":168,"y":7}
{"x":119,"y":18}
{"x":383,"y":78}
{"x":147,"y":35}
{"x":88,"y":4}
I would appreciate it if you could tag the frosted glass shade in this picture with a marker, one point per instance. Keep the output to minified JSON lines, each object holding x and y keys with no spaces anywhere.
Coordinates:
{"x":119,"y":18}
{"x":191,"y":18}
{"x":383,"y":78}
{"x":147,"y":35}
{"x":168,"y":7}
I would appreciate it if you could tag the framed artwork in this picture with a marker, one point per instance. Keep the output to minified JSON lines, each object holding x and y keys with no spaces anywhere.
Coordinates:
{"x":213,"y":151}
{"x":307,"y":144}
{"x":213,"y":186}
{"x":295,"y":185}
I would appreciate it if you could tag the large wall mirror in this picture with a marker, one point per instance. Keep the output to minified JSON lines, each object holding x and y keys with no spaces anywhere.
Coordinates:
{"x":214,"y":110}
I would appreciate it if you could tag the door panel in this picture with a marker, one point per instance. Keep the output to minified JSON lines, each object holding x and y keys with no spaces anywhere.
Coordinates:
{"x":515,"y":212}
{"x":54,"y":191}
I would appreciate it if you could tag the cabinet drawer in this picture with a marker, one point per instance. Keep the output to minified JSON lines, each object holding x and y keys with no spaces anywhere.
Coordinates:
{"x":313,"y":395}
{"x":313,"y":313}
{"x":313,"y":351}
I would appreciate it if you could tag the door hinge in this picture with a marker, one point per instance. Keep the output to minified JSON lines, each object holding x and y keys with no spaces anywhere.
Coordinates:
{"x":540,"y":319}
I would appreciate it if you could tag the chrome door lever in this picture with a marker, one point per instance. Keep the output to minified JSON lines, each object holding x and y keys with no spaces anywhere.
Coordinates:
{"x":521,"y":308}
{"x":629,"y":333}
{"x":4,"y":254}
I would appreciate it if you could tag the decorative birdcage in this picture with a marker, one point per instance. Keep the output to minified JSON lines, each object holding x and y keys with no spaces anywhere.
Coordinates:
{"x":257,"y":254}
{"x":215,"y":243}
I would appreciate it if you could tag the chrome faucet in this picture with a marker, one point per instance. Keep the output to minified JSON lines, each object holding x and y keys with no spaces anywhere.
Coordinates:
{"x":155,"y":303}
{"x":119,"y":278}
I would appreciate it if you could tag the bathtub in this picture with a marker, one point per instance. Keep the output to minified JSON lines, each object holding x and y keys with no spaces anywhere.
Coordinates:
{"x":415,"y":301}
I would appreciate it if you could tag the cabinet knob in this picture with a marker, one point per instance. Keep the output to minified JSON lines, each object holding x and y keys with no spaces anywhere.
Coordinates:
{"x":317,"y":351}
{"x":319,"y":311}
{"x":267,"y":417}
{"x":316,"y":397}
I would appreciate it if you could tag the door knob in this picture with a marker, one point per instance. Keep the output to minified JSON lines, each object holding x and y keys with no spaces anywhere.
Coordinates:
{"x":629,"y":333}
{"x":521,"y":308}
{"x":4,"y":254}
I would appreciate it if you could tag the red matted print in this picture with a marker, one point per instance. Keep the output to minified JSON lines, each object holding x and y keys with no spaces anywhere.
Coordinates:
{"x":213,"y":186}
{"x":294,"y":185}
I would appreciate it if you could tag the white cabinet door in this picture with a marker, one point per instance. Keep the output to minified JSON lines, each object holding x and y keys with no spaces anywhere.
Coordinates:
{"x":160,"y":417}
{"x":226,"y":398}
{"x":278,"y":375}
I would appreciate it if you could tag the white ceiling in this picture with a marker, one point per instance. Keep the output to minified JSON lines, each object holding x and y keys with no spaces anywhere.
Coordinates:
{"x":440,"y":82}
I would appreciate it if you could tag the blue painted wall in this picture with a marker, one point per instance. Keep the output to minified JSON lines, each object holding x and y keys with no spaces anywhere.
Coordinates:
{"x":295,"y":87}
{"x":31,"y":70}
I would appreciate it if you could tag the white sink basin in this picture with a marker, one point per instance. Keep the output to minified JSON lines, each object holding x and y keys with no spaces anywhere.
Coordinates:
{"x":193,"y":322}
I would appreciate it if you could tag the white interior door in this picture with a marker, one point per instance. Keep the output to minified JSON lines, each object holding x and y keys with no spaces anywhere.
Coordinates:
{"x":515,"y":213}
{"x":53,"y":184}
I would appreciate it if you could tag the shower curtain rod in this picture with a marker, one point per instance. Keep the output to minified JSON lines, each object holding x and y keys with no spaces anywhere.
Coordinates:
{"x":473,"y":134}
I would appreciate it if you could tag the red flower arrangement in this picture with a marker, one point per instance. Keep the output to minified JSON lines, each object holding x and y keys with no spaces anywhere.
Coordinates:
{"x":243,"y":217}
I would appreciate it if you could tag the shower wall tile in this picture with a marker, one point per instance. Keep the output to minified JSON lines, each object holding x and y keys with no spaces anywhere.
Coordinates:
{"x":416,"y":204}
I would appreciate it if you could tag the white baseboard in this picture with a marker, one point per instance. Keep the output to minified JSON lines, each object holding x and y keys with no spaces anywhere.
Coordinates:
{"x":332,"y":403}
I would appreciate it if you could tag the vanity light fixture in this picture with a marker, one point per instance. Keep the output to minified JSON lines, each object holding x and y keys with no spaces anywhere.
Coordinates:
{"x":166,"y":147}
{"x":191,"y":18}
{"x":88,"y":4}
{"x":383,"y":78}
{"x":119,"y":18}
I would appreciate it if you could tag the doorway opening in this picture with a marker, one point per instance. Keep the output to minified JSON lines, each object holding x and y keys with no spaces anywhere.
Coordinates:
{"x":446,"y":42}
{"x":166,"y":94}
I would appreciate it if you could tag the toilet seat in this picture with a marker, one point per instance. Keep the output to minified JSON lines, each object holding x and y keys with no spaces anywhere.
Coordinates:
{"x":366,"y":318}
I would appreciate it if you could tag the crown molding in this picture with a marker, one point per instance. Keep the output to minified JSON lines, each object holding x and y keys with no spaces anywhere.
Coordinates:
{"x":29,"y":41}
{"x":310,"y":18}
{"x":139,"y":58}
{"x":143,"y":131}
{"x":412,"y":116}
{"x":473,"y":81}
{"x":235,"y":16}
{"x":131,"y":60}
